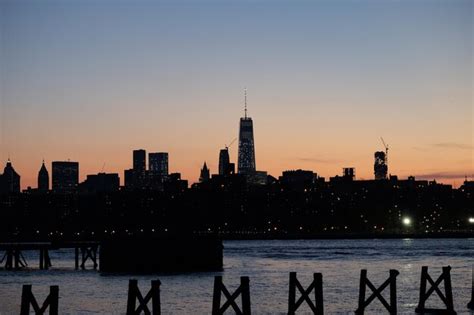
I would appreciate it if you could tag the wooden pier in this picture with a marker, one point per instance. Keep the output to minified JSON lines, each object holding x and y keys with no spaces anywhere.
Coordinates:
{"x":13,"y":258}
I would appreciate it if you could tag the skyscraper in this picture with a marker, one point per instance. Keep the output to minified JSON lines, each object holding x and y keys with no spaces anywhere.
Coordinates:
{"x":10,"y":180}
{"x":246,"y":157}
{"x":139,"y":160}
{"x":158,"y":163}
{"x":380,"y":165}
{"x":205,"y":175}
{"x":65,"y":176}
{"x":224,"y":162}
{"x":43,"y":179}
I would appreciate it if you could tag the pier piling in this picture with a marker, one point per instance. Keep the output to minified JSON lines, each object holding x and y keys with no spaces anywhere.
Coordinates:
{"x":44,"y":259}
{"x":14,"y":259}
{"x":317,"y":285}
{"x":134,"y":294}
{"x":243,"y":290}
{"x":446,"y":298}
{"x":470,"y":305}
{"x":28,"y":300}
{"x":377,"y":292}
{"x":86,"y":253}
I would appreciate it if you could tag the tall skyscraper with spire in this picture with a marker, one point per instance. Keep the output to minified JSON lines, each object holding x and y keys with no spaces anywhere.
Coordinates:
{"x":205,"y":174}
{"x":246,"y":157}
{"x":43,"y":179}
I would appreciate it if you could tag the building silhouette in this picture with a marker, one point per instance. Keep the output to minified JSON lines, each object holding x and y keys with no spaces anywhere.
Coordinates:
{"x":43,"y":179}
{"x":101,"y":183}
{"x":65,"y":176}
{"x":139,"y":160}
{"x":10,"y":179}
{"x":205,"y":174}
{"x":225,"y":167}
{"x":246,"y":156}
{"x":348,"y":173}
{"x":297,"y":179}
{"x":380,"y":165}
{"x":158,"y":163}
{"x":156,"y":178}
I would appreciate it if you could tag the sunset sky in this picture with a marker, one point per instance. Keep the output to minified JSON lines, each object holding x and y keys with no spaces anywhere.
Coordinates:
{"x":90,"y":81}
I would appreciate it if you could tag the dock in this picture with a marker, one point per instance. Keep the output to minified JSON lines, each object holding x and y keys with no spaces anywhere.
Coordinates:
{"x":13,"y":258}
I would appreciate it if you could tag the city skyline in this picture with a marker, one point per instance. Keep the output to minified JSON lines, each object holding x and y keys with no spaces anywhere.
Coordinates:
{"x":140,"y":161}
{"x":325,"y":81}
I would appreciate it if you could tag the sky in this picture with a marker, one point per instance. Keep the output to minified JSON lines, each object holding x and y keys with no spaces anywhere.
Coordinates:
{"x":91,"y":80}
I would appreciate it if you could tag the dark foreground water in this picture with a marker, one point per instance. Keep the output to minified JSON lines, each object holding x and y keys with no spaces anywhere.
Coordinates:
{"x":268,"y":264}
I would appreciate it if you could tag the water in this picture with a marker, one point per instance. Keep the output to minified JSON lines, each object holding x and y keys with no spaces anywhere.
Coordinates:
{"x":268,"y":264}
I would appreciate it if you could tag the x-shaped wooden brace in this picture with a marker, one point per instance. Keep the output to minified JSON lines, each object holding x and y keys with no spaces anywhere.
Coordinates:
{"x":28,"y":299}
{"x":231,"y":300}
{"x":305,"y":296}
{"x":377,"y":292}
{"x":446,"y":297}
{"x":316,"y":285}
{"x":242,"y":290}
{"x":435,"y":288}
{"x":144,"y":302}
{"x":89,"y":253}
{"x":3,"y":258}
{"x":136,"y":295}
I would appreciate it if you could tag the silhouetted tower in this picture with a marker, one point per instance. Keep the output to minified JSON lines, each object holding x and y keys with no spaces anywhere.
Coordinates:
{"x":10,"y":180}
{"x":65,"y":176}
{"x":139,"y":160}
{"x":380,"y":166}
{"x":224,"y":162}
{"x":348,"y":173}
{"x":246,"y":157}
{"x":158,"y":163}
{"x":43,"y":179}
{"x":204,"y":174}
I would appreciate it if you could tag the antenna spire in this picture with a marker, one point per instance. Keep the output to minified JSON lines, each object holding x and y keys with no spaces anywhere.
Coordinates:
{"x":245,"y":101}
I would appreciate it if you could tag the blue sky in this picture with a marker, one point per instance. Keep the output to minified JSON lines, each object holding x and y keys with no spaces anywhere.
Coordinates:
{"x":92,"y":80}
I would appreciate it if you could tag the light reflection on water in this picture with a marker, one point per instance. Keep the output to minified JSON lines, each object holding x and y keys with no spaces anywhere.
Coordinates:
{"x":268,"y":264}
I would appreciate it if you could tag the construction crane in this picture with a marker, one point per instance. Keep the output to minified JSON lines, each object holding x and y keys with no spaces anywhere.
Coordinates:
{"x":232,"y":142}
{"x":386,"y":150}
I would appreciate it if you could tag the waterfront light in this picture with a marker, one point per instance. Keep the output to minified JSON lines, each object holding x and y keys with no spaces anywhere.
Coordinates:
{"x":406,"y":221}
{"x":471,"y":220}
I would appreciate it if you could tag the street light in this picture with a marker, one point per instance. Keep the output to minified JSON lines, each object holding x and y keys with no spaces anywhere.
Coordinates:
{"x":471,"y":220}
{"x":406,"y":221}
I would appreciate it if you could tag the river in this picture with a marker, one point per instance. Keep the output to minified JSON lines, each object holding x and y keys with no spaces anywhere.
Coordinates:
{"x":267,"y":263}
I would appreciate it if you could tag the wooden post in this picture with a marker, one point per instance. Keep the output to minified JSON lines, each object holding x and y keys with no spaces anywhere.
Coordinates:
{"x":377,"y":292}
{"x":470,"y":305}
{"x":44,"y":260}
{"x":83,"y":260}
{"x":317,"y":285}
{"x":9,"y":260}
{"x":28,"y":299}
{"x":89,"y":253}
{"x":243,"y":290}
{"x":245,"y":285}
{"x":16,"y":255}
{"x":18,"y":259}
{"x":131,"y":299}
{"x":447,"y":297}
{"x":47,"y":259}
{"x":76,"y":257}
{"x":216,"y":300}
{"x":41,"y":259}
{"x":134,"y":294}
